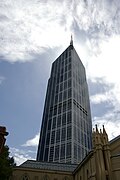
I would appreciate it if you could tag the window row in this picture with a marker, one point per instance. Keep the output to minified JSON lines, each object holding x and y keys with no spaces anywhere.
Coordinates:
{"x":63,"y":86}
{"x":59,"y":135}
{"x":62,"y":96}
{"x":62,"y":67}
{"x":60,"y":108}
{"x":62,"y":77}
{"x":79,"y":152}
{"x":61,"y":120}
{"x":57,"y":152}
{"x":63,"y":58}
{"x":80,"y":122}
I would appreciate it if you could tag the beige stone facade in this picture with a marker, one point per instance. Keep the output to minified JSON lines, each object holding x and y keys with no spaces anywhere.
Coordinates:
{"x":21,"y":173}
{"x":102,"y":163}
{"x":30,"y":174}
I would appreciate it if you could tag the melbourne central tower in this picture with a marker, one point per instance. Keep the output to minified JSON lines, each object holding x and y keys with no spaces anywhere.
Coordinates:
{"x":66,"y":124}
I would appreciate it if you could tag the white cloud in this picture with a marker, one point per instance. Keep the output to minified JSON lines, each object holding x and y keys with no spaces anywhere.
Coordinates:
{"x":106,"y":63}
{"x":99,"y":98}
{"x":96,"y":16}
{"x":106,"y":66}
{"x":112,"y":125}
{"x":29,"y":27}
{"x":32,"y":142}
{"x":19,"y":155}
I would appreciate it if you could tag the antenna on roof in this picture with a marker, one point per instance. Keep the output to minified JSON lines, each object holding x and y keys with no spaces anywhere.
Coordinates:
{"x":71,"y":41}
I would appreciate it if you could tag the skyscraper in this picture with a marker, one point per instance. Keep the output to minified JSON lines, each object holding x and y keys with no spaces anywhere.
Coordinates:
{"x":66,"y":125}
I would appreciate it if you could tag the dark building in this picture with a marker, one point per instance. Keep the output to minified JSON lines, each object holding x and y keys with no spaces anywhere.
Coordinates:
{"x":66,"y":125}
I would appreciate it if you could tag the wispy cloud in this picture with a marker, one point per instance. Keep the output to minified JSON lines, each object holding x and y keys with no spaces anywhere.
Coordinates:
{"x":19,"y":155}
{"x":1,"y":79}
{"x":29,"y":27}
{"x":111,"y":121}
{"x":99,"y":98}
{"x":32,"y":142}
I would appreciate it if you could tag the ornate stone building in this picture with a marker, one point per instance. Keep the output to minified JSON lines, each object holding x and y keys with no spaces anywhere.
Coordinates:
{"x":102,"y":163}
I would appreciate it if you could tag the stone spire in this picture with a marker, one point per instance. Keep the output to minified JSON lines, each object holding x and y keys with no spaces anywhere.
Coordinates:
{"x":71,"y":42}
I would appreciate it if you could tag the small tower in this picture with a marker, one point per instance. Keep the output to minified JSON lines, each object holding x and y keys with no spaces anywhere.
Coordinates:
{"x":99,"y":158}
{"x":107,"y":155}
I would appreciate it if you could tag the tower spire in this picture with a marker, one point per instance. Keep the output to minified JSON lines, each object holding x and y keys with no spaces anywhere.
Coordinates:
{"x":71,"y":41}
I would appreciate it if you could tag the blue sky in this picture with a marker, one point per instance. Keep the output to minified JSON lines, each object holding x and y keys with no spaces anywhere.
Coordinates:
{"x":32,"y":35}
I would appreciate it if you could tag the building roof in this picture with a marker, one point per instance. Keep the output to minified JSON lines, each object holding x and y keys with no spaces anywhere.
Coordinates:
{"x":115,"y":139}
{"x":83,"y":161}
{"x":49,"y":166}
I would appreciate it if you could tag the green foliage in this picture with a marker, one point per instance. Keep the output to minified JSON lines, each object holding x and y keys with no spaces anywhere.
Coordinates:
{"x":6,"y":164}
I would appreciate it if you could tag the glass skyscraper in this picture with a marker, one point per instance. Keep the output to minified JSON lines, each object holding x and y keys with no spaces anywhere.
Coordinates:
{"x":66,"y":128}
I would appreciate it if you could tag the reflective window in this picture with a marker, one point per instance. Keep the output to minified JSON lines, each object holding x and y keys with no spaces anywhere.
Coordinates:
{"x":60,"y":97}
{"x":58,"y":136}
{"x":65,"y":85}
{"x":64,"y":119}
{"x":69,"y":83}
{"x":59,"y":121}
{"x":57,"y":87}
{"x":65,"y":76}
{"x":49,"y":124}
{"x":54,"y":123}
{"x":48,"y":139}
{"x":68,"y":150}
{"x":63,"y":136}
{"x":66,"y":68}
{"x":69,"y":93}
{"x":61,"y":86}
{"x":69,"y":117}
{"x":69,"y":132}
{"x":55,"y":110}
{"x":65,"y":95}
{"x":61,"y":78}
{"x":69,"y":74}
{"x":56,"y":99}
{"x":69,"y":105}
{"x":59,"y":108}
{"x":51,"y":154}
{"x":62,"y":154}
{"x":46,"y":154}
{"x":64,"y":106}
{"x":53,"y":137}
{"x":75,"y":151}
{"x":57,"y":152}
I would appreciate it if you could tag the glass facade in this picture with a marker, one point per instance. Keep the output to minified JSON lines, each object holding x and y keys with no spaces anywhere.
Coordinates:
{"x":66,"y":125}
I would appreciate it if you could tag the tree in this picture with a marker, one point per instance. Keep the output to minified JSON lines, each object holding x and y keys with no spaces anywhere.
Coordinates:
{"x":6,"y":164}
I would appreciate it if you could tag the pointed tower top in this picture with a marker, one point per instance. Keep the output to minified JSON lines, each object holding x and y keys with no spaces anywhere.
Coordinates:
{"x":71,"y":42}
{"x":104,"y":131}
{"x":96,"y":128}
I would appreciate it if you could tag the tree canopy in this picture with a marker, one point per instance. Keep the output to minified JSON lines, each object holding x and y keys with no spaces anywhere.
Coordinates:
{"x":6,"y":164}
